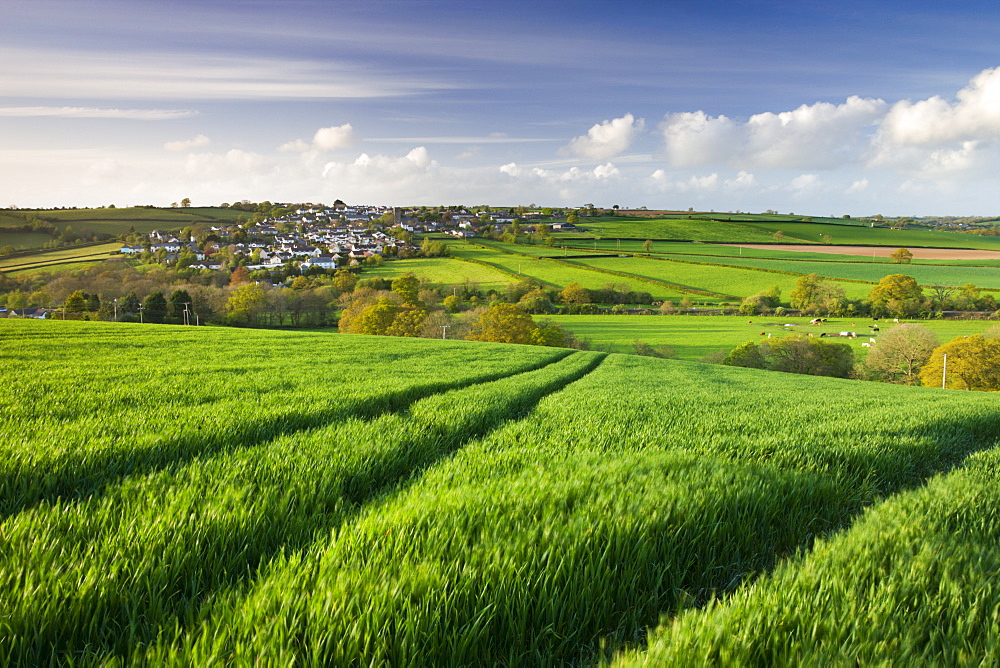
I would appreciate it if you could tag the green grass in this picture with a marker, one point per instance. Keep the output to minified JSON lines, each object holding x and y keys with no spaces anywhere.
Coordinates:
{"x":556,"y":274}
{"x":24,"y":240}
{"x":695,"y":336}
{"x":442,"y":272}
{"x":926,"y":274}
{"x":877,"y":236}
{"x":194,"y":496}
{"x":670,"y":228}
{"x":118,"y":220}
{"x":63,"y":257}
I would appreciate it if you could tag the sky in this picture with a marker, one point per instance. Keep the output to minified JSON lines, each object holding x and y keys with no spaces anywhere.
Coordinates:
{"x":815,"y":108}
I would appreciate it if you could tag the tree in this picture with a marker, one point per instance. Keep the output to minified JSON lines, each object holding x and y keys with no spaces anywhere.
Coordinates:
{"x":896,"y":294}
{"x":186,"y":202}
{"x":129,"y":304}
{"x":177,"y":302}
{"x":901,"y":256}
{"x":572,"y":218}
{"x":814,"y":357}
{"x":76,"y":302}
{"x":246,"y":304}
{"x":344,"y":280}
{"x":377,"y":318}
{"x":973,"y":364}
{"x":574,"y":293}
{"x":746,"y":355}
{"x":240,"y":276}
{"x":901,"y":352}
{"x":812,"y":293}
{"x":647,"y":245}
{"x":154,"y":307}
{"x":407,"y":287}
{"x":503,"y":323}
{"x":453,"y":303}
{"x":408,"y":322}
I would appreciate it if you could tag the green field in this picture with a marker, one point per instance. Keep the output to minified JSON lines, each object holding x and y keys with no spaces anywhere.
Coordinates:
{"x":926,"y":274}
{"x":443,"y":272}
{"x":695,"y":336}
{"x":116,"y":221}
{"x":878,"y":236}
{"x":670,"y":228}
{"x":188,"y":500}
{"x":555,"y":274}
{"x":23,"y":240}
{"x":64,"y":257}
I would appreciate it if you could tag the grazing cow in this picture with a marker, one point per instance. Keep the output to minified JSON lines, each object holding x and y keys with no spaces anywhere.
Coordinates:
{"x":871,"y":339}
{"x":866,"y":345}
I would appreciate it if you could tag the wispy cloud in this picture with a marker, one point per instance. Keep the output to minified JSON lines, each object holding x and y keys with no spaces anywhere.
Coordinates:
{"x":98,"y":112}
{"x":489,"y":139}
{"x":82,"y":74}
{"x":187,"y":144}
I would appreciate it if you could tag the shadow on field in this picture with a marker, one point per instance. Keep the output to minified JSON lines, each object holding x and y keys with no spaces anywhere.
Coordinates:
{"x":73,"y":479}
{"x":123,"y":617}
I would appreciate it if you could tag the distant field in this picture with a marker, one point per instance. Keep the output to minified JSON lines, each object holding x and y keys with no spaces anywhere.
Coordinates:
{"x":695,"y":336}
{"x":557,"y":275}
{"x":664,"y":228}
{"x":23,"y":240}
{"x":442,"y":271}
{"x":62,"y":256}
{"x":877,"y":236}
{"x":116,"y":221}
{"x":926,"y":274}
{"x":725,"y":280}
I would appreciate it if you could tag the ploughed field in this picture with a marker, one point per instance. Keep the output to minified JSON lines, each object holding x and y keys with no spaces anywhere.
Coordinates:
{"x":197,"y":496}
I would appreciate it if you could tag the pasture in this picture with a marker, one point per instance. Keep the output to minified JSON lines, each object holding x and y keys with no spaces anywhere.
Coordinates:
{"x":673,"y":228}
{"x":693,"y":337}
{"x":187,"y":501}
{"x":73,"y":257}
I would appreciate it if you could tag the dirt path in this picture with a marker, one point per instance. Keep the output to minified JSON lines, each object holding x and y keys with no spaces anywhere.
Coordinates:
{"x":882,"y":251}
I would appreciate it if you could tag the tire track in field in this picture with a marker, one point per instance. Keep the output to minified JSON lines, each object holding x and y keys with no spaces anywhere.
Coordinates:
{"x":71,"y":480}
{"x":346,"y":494}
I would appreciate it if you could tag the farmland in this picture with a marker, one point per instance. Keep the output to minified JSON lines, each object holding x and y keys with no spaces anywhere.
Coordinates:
{"x":73,"y":257}
{"x":188,"y":500}
{"x":694,"y":337}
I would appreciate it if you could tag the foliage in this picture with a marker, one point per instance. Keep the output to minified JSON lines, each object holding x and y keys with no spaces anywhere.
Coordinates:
{"x":814,"y":294}
{"x":746,"y":355}
{"x":154,"y":307}
{"x":246,"y":304}
{"x":901,"y":256}
{"x":973,"y":364}
{"x":900,"y":352}
{"x":574,"y":293}
{"x":898,"y":295}
{"x":503,"y":323}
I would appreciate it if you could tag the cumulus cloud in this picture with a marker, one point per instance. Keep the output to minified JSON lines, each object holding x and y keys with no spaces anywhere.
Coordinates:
{"x":858,"y":186}
{"x":187,"y":144}
{"x":820,"y":135}
{"x":337,"y":136}
{"x":936,"y":121}
{"x":665,"y":182}
{"x":607,"y":139}
{"x":325,"y":139}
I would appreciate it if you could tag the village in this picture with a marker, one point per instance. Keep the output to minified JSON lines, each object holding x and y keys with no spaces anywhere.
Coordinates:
{"x":316,"y":237}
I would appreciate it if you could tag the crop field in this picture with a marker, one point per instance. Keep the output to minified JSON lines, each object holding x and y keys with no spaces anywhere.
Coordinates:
{"x":116,"y":221}
{"x":877,"y":236}
{"x":443,"y":271}
{"x":555,"y":274}
{"x":49,"y":260}
{"x":926,"y":274}
{"x":673,"y":228}
{"x":21,"y":240}
{"x":725,"y":280}
{"x":693,"y":337}
{"x":188,"y":501}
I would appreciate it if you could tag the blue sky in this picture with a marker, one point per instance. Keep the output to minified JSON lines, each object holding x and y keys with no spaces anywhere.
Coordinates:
{"x":823,"y":108}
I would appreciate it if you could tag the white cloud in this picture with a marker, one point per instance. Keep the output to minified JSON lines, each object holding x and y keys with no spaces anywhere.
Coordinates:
{"x":936,"y":121}
{"x":607,"y":139}
{"x":196,"y":142}
{"x":325,"y":139}
{"x":49,"y":73}
{"x":694,"y":138}
{"x":805,"y":182}
{"x":666,"y":182}
{"x":97,"y":112}
{"x":296,"y":146}
{"x":858,"y":186}
{"x":821,"y":135}
{"x":744,"y":180}
{"x":334,"y":137}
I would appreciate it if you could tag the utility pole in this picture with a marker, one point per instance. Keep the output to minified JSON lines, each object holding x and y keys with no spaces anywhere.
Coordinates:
{"x":944,"y":370}
{"x":116,"y":309}
{"x":141,"y":308}
{"x":444,"y":331}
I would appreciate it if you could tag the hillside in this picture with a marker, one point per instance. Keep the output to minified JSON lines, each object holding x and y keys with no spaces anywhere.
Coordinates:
{"x":200,"y":495}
